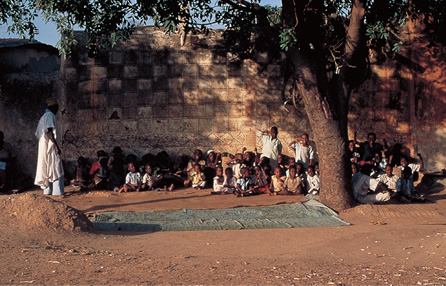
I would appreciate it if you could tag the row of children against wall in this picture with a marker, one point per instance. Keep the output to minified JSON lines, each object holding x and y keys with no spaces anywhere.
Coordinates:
{"x":290,"y":180}
{"x":242,"y":174}
{"x":199,"y":172}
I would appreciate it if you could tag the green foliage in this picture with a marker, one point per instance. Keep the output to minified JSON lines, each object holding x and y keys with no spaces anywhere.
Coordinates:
{"x":249,"y":25}
{"x":288,"y":39}
{"x":434,"y":19}
{"x":20,"y":16}
{"x":274,"y":14}
{"x":396,"y":47}
{"x":384,"y":21}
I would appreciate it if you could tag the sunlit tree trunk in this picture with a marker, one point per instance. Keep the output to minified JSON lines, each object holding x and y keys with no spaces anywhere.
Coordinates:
{"x":326,"y":105}
{"x":330,"y":134}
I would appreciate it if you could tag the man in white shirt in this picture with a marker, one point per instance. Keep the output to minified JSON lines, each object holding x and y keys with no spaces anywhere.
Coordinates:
{"x":367,"y":190}
{"x":49,"y":173}
{"x":272,"y":146}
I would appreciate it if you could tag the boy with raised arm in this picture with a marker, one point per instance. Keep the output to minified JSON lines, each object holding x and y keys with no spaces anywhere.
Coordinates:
{"x":304,"y":152}
{"x":272,"y":146}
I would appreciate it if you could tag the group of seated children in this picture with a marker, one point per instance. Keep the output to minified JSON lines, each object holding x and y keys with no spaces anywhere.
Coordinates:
{"x":244,"y":173}
{"x":248,"y":173}
{"x":373,"y":166}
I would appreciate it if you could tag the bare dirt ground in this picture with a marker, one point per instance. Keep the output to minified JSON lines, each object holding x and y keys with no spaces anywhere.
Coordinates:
{"x":45,"y":240}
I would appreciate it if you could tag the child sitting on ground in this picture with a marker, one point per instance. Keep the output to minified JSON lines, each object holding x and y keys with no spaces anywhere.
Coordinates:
{"x":316,"y":168}
{"x":197,"y":160}
{"x":100,"y":175}
{"x":248,"y":158}
{"x":415,"y":167}
{"x":292,"y":184}
{"x":99,"y":170}
{"x":313,"y":182}
{"x":281,"y":164}
{"x":237,"y":165}
{"x":291,"y":162}
{"x":209,"y":169}
{"x":148,"y":180}
{"x":389,"y":179}
{"x":116,"y":165}
{"x":301,"y":173}
{"x":151,"y":181}
{"x":277,"y":183}
{"x":230,"y":183}
{"x":259,"y":180}
{"x":379,"y":165}
{"x":218,"y":181}
{"x":132,"y":180}
{"x":244,"y":185}
{"x":352,"y":152}
{"x":198,"y":179}
{"x":267,"y":173}
{"x":81,"y":174}
{"x":406,"y":188}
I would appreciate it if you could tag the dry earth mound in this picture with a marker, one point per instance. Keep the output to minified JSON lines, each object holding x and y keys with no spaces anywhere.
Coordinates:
{"x":37,"y":212}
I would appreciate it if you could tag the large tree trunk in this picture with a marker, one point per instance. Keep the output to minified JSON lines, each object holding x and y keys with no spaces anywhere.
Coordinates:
{"x":330,"y":134}
{"x":326,"y":109}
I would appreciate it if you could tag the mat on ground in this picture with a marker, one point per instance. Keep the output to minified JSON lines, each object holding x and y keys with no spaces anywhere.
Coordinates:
{"x":308,"y":214}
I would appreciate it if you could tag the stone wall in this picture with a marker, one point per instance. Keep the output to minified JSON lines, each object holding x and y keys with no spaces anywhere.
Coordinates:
{"x":151,"y":94}
{"x":29,"y":73}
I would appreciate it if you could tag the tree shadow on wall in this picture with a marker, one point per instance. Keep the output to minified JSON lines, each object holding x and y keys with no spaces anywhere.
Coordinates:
{"x":402,"y":101}
{"x":149,"y":94}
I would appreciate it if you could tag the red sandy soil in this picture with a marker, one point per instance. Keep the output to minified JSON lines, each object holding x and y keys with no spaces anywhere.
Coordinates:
{"x":45,"y":240}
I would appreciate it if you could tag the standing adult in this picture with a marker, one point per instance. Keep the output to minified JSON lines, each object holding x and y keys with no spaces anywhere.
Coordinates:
{"x":368,"y":150}
{"x":272,"y":146}
{"x":50,"y":173}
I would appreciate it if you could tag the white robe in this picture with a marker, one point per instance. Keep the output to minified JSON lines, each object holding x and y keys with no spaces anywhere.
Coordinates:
{"x":49,"y":163}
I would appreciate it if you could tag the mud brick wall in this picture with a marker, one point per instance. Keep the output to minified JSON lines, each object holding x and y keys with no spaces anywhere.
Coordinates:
{"x":150,"y":94}
{"x":29,"y":73}
{"x":404,"y":100}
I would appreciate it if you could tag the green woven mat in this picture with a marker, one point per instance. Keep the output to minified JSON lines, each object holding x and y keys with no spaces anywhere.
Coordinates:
{"x":309,"y":214}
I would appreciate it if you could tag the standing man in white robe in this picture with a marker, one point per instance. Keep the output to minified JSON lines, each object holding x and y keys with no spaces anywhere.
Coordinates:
{"x":272,"y":146}
{"x":50,"y":173}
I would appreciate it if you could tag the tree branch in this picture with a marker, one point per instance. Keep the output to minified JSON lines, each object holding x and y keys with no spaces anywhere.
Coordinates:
{"x":237,"y":6}
{"x":354,"y":31}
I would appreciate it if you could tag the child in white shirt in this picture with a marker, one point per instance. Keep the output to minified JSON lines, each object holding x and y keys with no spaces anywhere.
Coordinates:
{"x":132,"y":180}
{"x":313,"y":181}
{"x":218,"y":180}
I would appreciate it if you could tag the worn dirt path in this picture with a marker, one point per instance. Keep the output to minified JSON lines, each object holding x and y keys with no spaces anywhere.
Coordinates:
{"x":386,"y":244}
